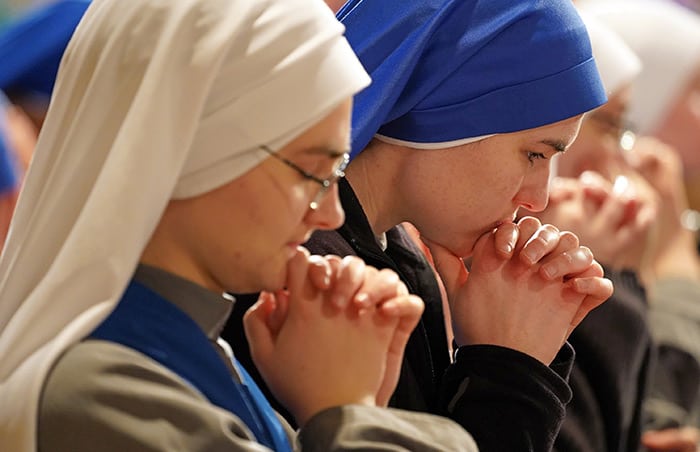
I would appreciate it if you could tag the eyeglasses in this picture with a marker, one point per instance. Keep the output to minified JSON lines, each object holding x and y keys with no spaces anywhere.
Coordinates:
{"x":338,"y":172}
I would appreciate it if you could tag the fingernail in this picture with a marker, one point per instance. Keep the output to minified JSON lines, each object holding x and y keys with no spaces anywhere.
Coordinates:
{"x":513,"y":239}
{"x":507,"y":248}
{"x":362,"y":299}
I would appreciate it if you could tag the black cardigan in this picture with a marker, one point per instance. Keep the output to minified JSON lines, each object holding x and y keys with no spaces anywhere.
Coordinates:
{"x":507,"y":400}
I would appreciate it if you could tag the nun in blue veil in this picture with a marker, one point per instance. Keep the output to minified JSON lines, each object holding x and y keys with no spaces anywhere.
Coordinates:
{"x":470,"y":100}
{"x":9,"y":174}
{"x":31,"y":48}
{"x":168,"y":116}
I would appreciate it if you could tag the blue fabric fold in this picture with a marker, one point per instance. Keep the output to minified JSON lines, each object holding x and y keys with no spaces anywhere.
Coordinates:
{"x":9,"y":177}
{"x":32,"y":45}
{"x":446,"y":70}
{"x":146,"y":322}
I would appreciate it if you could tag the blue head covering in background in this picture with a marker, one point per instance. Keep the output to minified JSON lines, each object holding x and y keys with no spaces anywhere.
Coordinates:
{"x":31,"y":46}
{"x":448,"y":71}
{"x":8,"y":166}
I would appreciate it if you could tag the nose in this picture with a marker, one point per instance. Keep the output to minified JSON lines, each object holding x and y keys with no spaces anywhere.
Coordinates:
{"x":329,"y":214}
{"x":534,"y":192}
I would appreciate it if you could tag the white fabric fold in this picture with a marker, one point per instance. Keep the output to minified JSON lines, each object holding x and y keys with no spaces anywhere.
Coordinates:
{"x":666,"y":38}
{"x":436,"y":145}
{"x":617,"y":64}
{"x":155,"y":99}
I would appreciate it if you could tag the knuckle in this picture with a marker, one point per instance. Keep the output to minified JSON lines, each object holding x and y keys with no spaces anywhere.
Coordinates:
{"x":538,"y":240}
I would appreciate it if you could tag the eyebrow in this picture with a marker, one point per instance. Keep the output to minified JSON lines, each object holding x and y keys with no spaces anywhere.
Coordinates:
{"x":557,"y":145}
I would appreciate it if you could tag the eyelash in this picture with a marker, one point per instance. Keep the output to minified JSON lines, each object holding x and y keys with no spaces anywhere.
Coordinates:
{"x":532,"y":156}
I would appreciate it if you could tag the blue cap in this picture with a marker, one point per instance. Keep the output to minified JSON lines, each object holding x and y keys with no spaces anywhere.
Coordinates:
{"x":32,"y":45}
{"x":449,"y":70}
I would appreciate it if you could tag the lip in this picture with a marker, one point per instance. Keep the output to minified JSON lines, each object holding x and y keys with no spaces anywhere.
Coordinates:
{"x":510,"y":219}
{"x":299,"y":242}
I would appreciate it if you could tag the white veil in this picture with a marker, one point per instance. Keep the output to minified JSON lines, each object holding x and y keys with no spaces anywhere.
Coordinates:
{"x":154,"y":99}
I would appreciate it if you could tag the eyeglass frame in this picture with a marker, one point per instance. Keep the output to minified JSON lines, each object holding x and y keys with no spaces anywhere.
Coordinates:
{"x":624,"y":130}
{"x":325,"y":184}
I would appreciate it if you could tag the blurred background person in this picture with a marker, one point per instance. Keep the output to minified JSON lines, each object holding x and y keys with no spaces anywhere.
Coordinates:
{"x":9,"y":173}
{"x":665,"y":102}
{"x":454,"y":134}
{"x":31,"y":48}
{"x":665,"y":99}
{"x":628,"y":212}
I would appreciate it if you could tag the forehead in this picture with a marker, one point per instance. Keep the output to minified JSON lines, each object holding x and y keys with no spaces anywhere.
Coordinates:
{"x":556,"y":137}
{"x":332,"y":132}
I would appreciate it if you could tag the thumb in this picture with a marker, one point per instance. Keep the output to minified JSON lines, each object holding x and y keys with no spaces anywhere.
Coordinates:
{"x":409,"y":313}
{"x":257,"y":328}
{"x":485,"y":257}
{"x":449,"y":266}
{"x":297,"y":271}
{"x":277,"y":304}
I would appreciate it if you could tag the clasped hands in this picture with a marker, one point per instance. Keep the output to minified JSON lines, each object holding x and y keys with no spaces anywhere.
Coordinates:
{"x":528,"y":287}
{"x":335,"y":335}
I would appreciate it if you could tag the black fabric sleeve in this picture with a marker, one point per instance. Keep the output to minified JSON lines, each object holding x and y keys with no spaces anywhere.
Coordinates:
{"x":675,"y":393}
{"x":506,"y":399}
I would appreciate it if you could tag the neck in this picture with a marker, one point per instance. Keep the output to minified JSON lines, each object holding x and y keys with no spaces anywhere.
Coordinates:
{"x":372,"y":176}
{"x":166,"y":252}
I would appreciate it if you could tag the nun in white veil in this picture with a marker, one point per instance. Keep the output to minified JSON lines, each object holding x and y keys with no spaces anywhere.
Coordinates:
{"x":665,"y":100}
{"x":189,"y":135}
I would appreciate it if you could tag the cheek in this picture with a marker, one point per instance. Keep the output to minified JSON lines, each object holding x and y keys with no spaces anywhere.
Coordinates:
{"x":681,"y":129}
{"x":688,"y":133}
{"x":279,"y":218}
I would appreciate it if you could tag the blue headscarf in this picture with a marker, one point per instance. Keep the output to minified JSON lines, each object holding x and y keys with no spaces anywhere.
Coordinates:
{"x":8,"y":166}
{"x":32,"y":45}
{"x":449,"y":70}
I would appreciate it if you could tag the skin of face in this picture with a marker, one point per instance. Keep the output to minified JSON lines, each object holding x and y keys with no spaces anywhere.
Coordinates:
{"x":455,"y":195}
{"x":597,"y":147}
{"x":680,"y":126}
{"x":239,"y":237}
{"x":335,"y":5}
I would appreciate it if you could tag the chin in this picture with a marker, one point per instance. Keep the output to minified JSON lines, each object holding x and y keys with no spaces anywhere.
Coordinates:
{"x":275,"y":280}
{"x":465,"y":251}
{"x":462,"y":248}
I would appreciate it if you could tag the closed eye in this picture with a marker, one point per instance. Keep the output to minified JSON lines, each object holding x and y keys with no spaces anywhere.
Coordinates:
{"x":532,"y":156}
